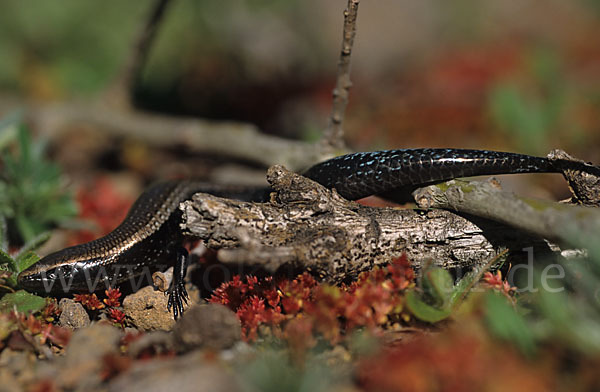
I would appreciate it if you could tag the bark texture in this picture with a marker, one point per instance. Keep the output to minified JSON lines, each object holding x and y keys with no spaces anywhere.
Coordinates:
{"x":307,"y":226}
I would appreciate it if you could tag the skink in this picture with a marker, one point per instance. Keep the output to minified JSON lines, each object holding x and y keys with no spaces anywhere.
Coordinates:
{"x":150,"y":238}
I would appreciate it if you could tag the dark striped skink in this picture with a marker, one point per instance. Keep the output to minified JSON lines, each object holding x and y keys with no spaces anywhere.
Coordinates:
{"x":150,"y":238}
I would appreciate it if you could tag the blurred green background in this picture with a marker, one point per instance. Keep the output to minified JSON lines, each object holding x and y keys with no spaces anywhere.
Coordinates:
{"x":518,"y":75}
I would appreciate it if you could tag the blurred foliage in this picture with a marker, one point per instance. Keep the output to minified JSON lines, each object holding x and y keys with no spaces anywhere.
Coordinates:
{"x":272,"y":371}
{"x":529,"y":113}
{"x":79,"y":46}
{"x":507,"y":323}
{"x":438,"y":296}
{"x":205,"y":29}
{"x":562,"y":308}
{"x":14,"y":205}
{"x":48,"y":49}
{"x":247,"y":60}
{"x":432,"y":304}
{"x":594,"y":5}
{"x":32,"y":197}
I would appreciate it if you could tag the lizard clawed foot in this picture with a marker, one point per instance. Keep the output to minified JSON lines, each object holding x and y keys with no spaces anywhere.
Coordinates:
{"x":178,"y":295}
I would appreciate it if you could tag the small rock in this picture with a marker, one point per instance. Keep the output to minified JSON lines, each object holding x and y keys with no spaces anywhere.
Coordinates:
{"x":147,"y":309}
{"x":73,"y":315}
{"x":182,"y":374}
{"x":207,"y":326}
{"x":159,"y":341}
{"x":80,"y":369}
{"x":92,"y":343}
{"x":83,"y":359}
{"x":16,"y":368}
{"x":240,"y":352}
{"x":8,"y":382}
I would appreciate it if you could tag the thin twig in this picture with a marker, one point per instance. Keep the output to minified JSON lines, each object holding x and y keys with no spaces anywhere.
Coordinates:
{"x":334,"y":134}
{"x":119,"y":92}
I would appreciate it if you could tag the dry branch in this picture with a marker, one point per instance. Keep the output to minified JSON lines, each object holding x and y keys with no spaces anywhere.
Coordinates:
{"x":307,"y":226}
{"x":334,"y":134}
{"x":119,"y":93}
{"x":547,"y":219}
{"x":583,"y":178}
{"x":233,"y":139}
{"x":554,"y":221}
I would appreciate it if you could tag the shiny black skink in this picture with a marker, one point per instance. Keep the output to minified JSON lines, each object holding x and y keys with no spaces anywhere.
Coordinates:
{"x":150,"y":235}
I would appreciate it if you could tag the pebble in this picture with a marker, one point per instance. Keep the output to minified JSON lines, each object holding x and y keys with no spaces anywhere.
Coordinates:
{"x":147,"y":308}
{"x":80,"y":368}
{"x":211,"y":326}
{"x":191,"y":372}
{"x":73,"y":315}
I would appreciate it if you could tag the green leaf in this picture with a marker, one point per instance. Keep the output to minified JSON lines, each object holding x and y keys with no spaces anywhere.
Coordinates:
{"x":438,"y":283}
{"x":9,"y":128}
{"x":3,"y":234}
{"x":22,"y":301}
{"x":422,"y":310}
{"x":26,"y":260}
{"x":6,"y":259}
{"x":471,"y":278}
{"x":25,"y":145}
{"x":23,"y":260}
{"x":7,"y":263}
{"x":506,"y":323}
{"x":463,"y":285}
